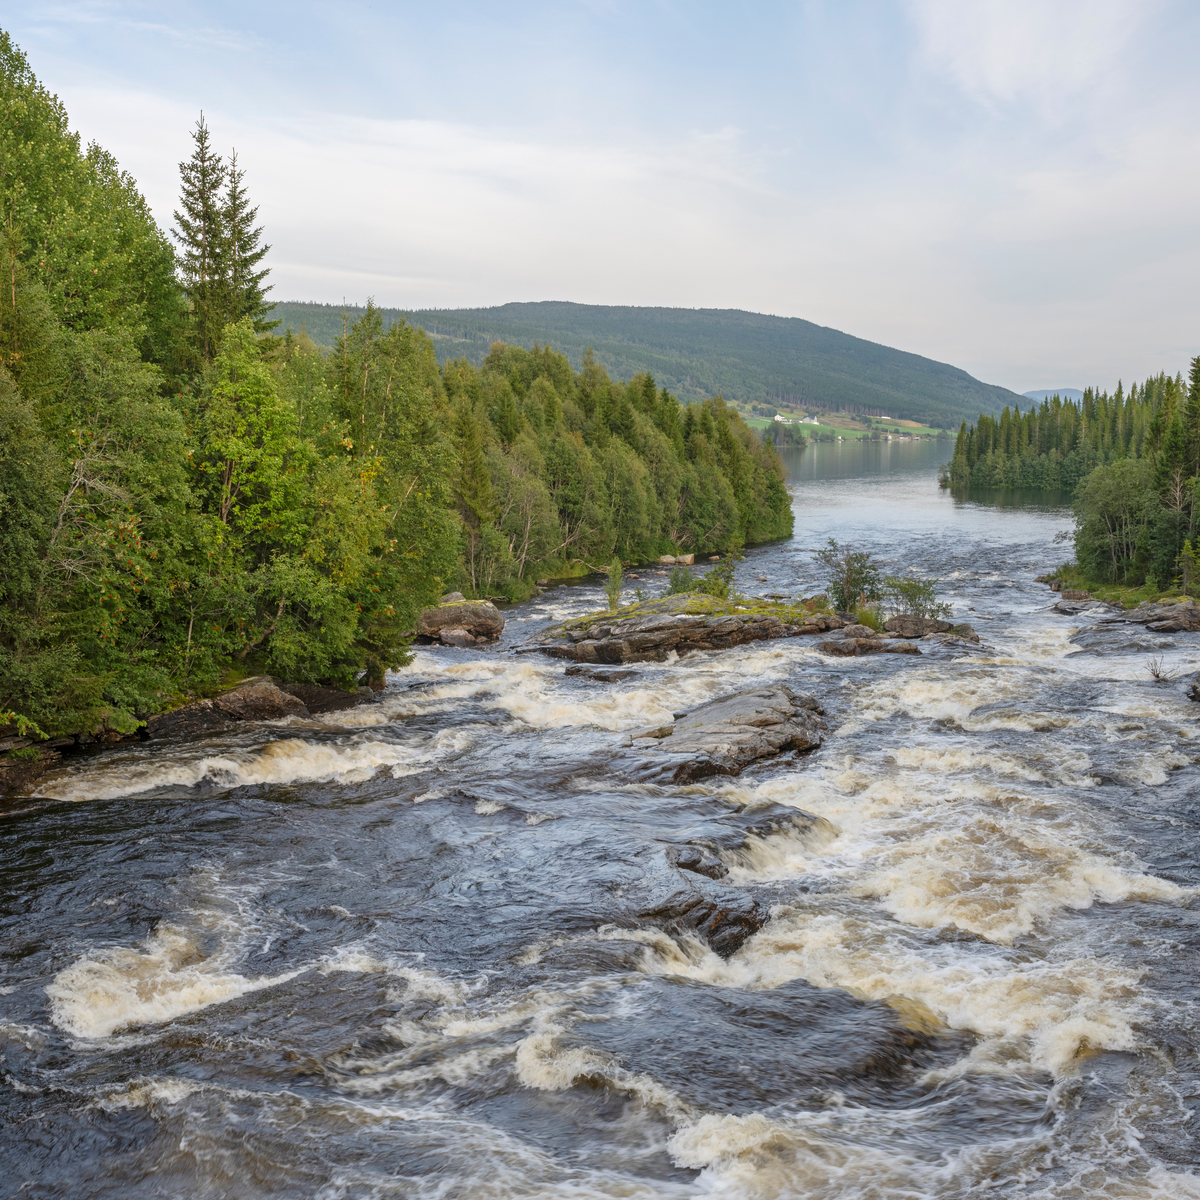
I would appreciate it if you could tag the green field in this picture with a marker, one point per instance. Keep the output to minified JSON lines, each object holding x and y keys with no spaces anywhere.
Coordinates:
{"x":813,"y":431}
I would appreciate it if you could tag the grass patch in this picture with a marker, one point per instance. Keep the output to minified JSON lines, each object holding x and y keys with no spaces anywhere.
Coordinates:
{"x":1126,"y":595}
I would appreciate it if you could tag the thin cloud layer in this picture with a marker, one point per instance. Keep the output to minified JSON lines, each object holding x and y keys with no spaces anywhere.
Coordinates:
{"x":1006,"y":186}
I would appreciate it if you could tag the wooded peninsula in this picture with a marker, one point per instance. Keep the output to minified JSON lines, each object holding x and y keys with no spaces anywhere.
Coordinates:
{"x":1131,"y":461}
{"x":186,"y":495}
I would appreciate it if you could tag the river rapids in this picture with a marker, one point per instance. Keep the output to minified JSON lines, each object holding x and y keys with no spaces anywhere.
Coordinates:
{"x":380,"y":953}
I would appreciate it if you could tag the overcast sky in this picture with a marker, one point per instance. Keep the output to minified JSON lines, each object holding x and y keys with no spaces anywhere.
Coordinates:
{"x":1010,"y":186}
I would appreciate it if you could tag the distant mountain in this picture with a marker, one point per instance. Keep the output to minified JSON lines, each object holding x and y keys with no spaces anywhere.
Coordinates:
{"x":1046,"y":393}
{"x":747,"y":357}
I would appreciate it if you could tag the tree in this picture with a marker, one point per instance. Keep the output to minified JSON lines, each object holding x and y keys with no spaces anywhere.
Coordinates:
{"x":852,"y":576}
{"x":200,"y":232}
{"x":243,"y":254}
{"x":613,"y":584}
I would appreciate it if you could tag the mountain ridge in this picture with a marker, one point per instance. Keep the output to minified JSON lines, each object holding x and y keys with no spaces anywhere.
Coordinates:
{"x":750,"y":358}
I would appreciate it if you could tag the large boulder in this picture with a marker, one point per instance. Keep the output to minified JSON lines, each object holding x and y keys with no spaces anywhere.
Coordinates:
{"x":462,"y":623}
{"x":914,"y":627}
{"x":855,"y":647}
{"x":724,"y":736}
{"x":257,"y":699}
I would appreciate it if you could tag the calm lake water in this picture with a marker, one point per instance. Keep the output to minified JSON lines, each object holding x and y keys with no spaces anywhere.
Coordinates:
{"x":394,"y":952}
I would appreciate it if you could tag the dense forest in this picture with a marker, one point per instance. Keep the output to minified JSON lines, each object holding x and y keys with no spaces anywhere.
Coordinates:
{"x":1131,"y":459}
{"x":185,"y":493}
{"x":747,"y":357}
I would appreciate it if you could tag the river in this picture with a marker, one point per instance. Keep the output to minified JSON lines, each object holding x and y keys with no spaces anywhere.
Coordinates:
{"x":383,"y":953}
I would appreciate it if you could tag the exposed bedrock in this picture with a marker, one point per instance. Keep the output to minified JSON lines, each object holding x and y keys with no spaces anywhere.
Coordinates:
{"x":1183,"y":616}
{"x":460,"y":622}
{"x":651,"y":637}
{"x":683,"y":891}
{"x":725,"y":736}
{"x":261,"y":698}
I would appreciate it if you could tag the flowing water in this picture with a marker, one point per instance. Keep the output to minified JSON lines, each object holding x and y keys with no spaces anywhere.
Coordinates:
{"x":389,"y":952}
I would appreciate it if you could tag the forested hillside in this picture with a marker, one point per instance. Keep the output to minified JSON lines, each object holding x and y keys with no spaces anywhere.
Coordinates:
{"x":185,"y":494}
{"x":1132,"y":460}
{"x":698,"y":353}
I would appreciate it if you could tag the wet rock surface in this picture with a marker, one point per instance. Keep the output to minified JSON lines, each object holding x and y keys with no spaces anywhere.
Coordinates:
{"x":261,"y":698}
{"x":730,"y":1067}
{"x":463,"y":623}
{"x":663,"y":626}
{"x":855,"y":647}
{"x":256,"y":699}
{"x":725,"y":736}
{"x":1182,"y":616}
{"x":915,"y":627}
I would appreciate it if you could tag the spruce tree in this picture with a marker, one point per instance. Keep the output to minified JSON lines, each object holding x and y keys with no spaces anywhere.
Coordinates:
{"x":1191,"y":418}
{"x":201,"y":237}
{"x":242,"y":237}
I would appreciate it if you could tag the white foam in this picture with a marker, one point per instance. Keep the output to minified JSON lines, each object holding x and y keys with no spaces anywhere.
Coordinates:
{"x":289,"y":760}
{"x":117,"y":988}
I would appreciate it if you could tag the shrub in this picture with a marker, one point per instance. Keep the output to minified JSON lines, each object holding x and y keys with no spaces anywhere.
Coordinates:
{"x":852,"y":576}
{"x":681,"y":580}
{"x":916,"y":597}
{"x":872,"y":618}
{"x":719,"y":581}
{"x":612,"y":588}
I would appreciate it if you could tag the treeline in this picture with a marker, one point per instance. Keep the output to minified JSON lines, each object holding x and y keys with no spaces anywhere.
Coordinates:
{"x":184,"y":494}
{"x":1132,"y":460}
{"x":1053,"y":445}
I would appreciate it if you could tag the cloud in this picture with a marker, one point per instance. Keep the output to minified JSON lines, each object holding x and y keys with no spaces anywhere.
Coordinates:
{"x":1029,"y":52}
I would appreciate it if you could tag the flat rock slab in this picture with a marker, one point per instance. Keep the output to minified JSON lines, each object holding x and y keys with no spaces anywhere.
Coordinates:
{"x":601,"y":676}
{"x":725,"y":736}
{"x":1182,"y":617}
{"x":855,"y":647}
{"x":915,"y":627}
{"x":651,"y":638}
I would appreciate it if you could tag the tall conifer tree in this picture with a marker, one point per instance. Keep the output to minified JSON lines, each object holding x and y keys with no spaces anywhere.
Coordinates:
{"x":201,"y":237}
{"x":245,"y":253}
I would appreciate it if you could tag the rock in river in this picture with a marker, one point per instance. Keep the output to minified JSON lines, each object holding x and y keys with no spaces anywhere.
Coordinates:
{"x":914,"y":627}
{"x":724,"y":736}
{"x":1181,"y":617}
{"x":459,"y":622}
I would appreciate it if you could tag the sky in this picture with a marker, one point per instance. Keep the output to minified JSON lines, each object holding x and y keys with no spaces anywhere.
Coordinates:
{"x":1009,"y":186}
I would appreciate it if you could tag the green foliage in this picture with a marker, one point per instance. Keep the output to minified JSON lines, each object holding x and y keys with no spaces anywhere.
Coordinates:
{"x":183,"y":498}
{"x":77,"y":223}
{"x":614,"y":584}
{"x":914,"y":597}
{"x":682,"y":580}
{"x":699,"y":354}
{"x":872,"y":618}
{"x":851,"y":576}
{"x":719,"y":581}
{"x":220,"y":250}
{"x":24,"y":724}
{"x":1189,"y":566}
{"x":1055,"y":444}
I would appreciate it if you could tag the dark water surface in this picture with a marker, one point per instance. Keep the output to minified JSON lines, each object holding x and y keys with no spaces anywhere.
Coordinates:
{"x":390,"y":952}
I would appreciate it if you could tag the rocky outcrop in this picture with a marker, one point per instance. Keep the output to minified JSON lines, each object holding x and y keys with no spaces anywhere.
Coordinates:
{"x":684,"y":891}
{"x":257,"y":699}
{"x":677,"y":560}
{"x":1182,"y":616}
{"x":600,"y":676}
{"x":464,"y":623}
{"x":650,"y":637}
{"x":855,"y":647}
{"x":725,"y":736}
{"x":261,"y":698}
{"x":915,"y":627}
